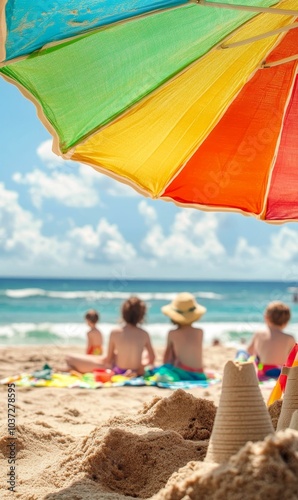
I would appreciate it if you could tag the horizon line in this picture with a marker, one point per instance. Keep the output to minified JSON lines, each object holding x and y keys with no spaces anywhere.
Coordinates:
{"x":147,"y":279}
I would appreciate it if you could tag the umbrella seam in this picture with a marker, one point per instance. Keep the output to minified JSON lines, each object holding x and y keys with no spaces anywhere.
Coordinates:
{"x":279,"y":62}
{"x":259,"y":37}
{"x":268,"y":10}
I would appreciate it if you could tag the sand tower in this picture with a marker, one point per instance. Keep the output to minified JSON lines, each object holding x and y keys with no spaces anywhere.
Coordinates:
{"x":294,"y":421}
{"x":242,"y":414}
{"x":290,"y":400}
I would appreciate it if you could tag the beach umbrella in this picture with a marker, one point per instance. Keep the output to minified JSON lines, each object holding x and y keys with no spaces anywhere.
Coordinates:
{"x":195,"y":102}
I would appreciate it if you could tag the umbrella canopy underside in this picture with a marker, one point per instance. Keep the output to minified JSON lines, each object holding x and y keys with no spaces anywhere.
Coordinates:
{"x":149,"y":92}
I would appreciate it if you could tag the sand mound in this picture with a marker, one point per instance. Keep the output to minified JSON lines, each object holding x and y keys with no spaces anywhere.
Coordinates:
{"x":82,"y":490}
{"x":27,"y":436}
{"x":274,"y":412}
{"x":136,"y":456}
{"x":139,"y":465}
{"x":135,"y":463}
{"x":268,"y":468}
{"x":36,"y":445}
{"x":181,"y":412}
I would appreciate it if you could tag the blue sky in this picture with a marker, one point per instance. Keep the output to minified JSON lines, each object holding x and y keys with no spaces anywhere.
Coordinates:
{"x":63,"y":219}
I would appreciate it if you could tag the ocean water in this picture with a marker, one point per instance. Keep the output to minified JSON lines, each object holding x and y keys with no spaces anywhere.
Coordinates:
{"x":51,"y":311}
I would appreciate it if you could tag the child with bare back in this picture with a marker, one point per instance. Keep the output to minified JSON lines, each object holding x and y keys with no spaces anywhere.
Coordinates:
{"x":128,"y":343}
{"x":184,"y":343}
{"x":272,"y":345}
{"x":87,"y":362}
{"x":94,"y":336}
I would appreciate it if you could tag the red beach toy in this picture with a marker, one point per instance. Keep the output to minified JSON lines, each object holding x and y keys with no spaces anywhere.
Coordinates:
{"x":103,"y":375}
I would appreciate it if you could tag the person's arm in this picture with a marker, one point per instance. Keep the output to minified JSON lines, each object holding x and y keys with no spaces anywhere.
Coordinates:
{"x":100,"y":340}
{"x":111,"y":349}
{"x":151,"y":353}
{"x":89,"y":343}
{"x":169,"y":355}
{"x":251,"y":348}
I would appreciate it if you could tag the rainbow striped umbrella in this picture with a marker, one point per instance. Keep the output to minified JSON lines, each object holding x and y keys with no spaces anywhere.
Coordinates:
{"x":194,"y":102}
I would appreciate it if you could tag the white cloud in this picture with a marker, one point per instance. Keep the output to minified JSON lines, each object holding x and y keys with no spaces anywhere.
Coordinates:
{"x":22,"y":242}
{"x":244,"y":251}
{"x":191,"y":238}
{"x":45,"y":153}
{"x":69,"y":183}
{"x":284,"y":245}
{"x":68,"y":189}
{"x":21,"y":237}
{"x":148,"y":212}
{"x":107,"y":184}
{"x":115,"y":188}
{"x":105,"y":241}
{"x":86,"y":172}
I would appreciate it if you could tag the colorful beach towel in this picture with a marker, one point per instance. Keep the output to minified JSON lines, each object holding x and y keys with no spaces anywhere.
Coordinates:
{"x":172,"y":377}
{"x":166,"y":376}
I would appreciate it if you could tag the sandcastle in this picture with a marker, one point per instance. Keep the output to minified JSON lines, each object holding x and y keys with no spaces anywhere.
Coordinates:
{"x":290,"y":400}
{"x":294,"y":421}
{"x":242,"y":414}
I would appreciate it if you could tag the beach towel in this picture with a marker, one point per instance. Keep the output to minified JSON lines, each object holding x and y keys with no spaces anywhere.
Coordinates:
{"x":165,"y":376}
{"x":173,"y":377}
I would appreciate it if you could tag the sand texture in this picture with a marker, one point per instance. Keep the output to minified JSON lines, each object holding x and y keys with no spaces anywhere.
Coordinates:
{"x":133,"y":442}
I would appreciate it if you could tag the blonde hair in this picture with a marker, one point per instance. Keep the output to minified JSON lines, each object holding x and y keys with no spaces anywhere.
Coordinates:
{"x":278,"y":313}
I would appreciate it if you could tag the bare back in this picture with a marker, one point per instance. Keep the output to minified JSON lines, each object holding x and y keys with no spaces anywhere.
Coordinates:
{"x":271,"y":345}
{"x":185,"y":347}
{"x":94,"y":339}
{"x":126,"y":346}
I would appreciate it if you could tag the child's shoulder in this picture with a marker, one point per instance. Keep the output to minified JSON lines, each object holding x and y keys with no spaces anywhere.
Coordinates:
{"x":289,"y":336}
{"x":197,"y":328}
{"x":117,"y":331}
{"x":94,"y":332}
{"x":141,"y":331}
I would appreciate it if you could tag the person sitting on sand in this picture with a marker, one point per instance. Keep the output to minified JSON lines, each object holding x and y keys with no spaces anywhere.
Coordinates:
{"x":127,"y":345}
{"x":272,"y":345}
{"x":128,"y":342}
{"x":94,"y":336}
{"x":184,"y":343}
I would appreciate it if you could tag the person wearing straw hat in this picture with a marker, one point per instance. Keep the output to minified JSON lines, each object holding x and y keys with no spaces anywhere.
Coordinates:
{"x":184,"y":343}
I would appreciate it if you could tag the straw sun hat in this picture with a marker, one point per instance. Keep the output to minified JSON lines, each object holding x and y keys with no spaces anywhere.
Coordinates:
{"x":184,"y":309}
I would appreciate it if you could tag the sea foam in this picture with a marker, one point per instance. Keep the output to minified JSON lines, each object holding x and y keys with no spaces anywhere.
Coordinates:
{"x":228,"y":333}
{"x":24,"y":293}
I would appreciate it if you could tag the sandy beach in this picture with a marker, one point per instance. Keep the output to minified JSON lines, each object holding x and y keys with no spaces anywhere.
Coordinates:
{"x":130,"y":442}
